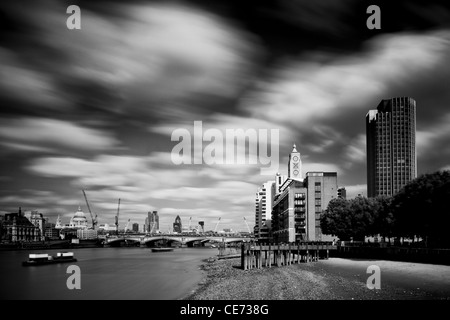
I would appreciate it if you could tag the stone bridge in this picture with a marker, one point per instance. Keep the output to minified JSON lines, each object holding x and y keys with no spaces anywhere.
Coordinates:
{"x":183,"y":240}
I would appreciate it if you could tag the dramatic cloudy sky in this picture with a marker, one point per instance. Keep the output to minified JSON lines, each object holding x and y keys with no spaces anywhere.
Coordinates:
{"x":95,"y":108}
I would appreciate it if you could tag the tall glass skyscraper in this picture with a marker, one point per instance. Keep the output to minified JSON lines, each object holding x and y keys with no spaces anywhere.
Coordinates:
{"x":391,"y":146}
{"x":152,"y":222}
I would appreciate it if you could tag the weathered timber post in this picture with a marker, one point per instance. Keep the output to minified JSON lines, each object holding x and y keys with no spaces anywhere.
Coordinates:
{"x":289,"y":254}
{"x":254,"y":257}
{"x":265,"y":256}
{"x":318,"y":251}
{"x":247,"y":254}
{"x":249,"y":258}
{"x":244,"y":257}
{"x":307,"y":253}
{"x":257,"y":259}
{"x":260,"y":257}
{"x":278,"y":256}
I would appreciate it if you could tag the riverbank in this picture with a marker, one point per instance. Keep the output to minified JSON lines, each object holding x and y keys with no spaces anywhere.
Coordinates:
{"x":333,"y":279}
{"x":48,"y":245}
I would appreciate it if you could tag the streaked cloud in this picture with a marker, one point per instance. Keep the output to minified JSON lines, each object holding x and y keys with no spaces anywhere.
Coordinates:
{"x":308,"y":92}
{"x":43,"y":134}
{"x":355,"y":151}
{"x":95,"y":108}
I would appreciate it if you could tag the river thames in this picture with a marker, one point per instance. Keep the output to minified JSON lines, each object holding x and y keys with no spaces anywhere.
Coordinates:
{"x":132,"y":273}
{"x":124,"y":273}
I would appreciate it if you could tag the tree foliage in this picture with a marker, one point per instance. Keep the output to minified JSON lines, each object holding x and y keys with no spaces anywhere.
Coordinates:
{"x":422,"y":208}
{"x":336,"y":219}
{"x":357,"y":218}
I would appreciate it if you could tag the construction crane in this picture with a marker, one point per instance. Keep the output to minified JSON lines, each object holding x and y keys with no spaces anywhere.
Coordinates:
{"x":117,"y":218}
{"x":127,"y":226}
{"x":94,"y":220}
{"x":247,"y":225}
{"x":215,"y":229}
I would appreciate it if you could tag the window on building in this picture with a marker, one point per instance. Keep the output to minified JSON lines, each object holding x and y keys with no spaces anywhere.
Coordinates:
{"x":317,"y":186}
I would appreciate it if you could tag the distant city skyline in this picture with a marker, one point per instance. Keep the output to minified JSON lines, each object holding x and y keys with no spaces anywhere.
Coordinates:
{"x":94,"y":109}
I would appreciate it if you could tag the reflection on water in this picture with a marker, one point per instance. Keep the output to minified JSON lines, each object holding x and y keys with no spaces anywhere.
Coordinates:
{"x":106,"y":273}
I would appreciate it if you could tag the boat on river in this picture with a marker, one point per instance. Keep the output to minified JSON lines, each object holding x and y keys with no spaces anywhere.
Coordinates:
{"x":162,"y":249}
{"x":36,"y":259}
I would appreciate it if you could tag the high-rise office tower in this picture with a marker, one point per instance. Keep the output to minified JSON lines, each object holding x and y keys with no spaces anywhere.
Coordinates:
{"x":263,"y":208}
{"x":177,"y":226}
{"x":391,"y":146}
{"x":152,"y":222}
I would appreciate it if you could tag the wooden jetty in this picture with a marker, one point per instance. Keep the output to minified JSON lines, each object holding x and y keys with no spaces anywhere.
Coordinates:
{"x":256,"y":256}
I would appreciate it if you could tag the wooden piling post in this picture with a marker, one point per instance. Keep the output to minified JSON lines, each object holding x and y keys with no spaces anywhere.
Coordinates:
{"x":307,"y":253}
{"x":289,"y":254}
{"x":278,"y":257}
{"x":265,"y":256}
{"x":247,"y":255}
{"x":260,"y":257}
{"x":244,"y":257}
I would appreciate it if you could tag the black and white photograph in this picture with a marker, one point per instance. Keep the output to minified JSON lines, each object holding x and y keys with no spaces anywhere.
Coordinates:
{"x":224,"y":155}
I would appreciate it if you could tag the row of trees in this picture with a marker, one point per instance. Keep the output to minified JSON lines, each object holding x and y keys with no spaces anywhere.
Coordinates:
{"x":421,"y":209}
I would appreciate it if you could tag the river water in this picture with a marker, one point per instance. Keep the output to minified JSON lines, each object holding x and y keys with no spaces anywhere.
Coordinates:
{"x":132,"y":273}
{"x":106,"y":274}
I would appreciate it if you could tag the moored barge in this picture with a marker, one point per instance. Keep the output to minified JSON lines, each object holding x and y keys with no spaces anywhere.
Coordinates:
{"x":36,"y":259}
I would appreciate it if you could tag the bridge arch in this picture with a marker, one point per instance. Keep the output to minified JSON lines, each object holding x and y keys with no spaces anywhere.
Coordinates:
{"x":153,"y":239}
